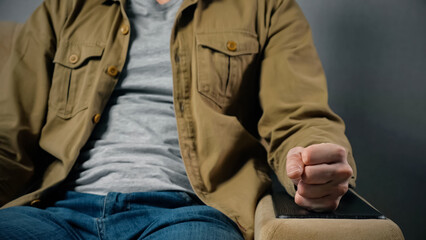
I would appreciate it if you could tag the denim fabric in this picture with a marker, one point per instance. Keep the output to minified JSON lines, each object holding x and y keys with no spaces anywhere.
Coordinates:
{"x":145,"y":215}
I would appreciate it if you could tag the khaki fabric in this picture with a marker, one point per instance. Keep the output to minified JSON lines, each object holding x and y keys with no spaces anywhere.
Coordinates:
{"x":248,"y":86}
{"x":267,"y":227}
{"x":8,"y":33}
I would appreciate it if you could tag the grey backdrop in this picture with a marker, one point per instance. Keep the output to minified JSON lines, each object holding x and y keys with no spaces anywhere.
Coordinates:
{"x":374,"y":55}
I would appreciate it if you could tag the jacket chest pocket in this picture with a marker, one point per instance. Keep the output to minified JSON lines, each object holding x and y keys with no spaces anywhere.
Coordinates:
{"x":222,"y":60}
{"x":75,"y":68}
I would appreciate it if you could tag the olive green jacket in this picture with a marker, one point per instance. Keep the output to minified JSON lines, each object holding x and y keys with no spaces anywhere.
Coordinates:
{"x":248,"y":86}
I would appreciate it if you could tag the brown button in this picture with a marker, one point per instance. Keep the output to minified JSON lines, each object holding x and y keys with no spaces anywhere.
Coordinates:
{"x":206,"y":88}
{"x":35,"y":203}
{"x":112,"y":71}
{"x":231,"y":45}
{"x":96,"y":118}
{"x":124,"y":29}
{"x":73,"y":58}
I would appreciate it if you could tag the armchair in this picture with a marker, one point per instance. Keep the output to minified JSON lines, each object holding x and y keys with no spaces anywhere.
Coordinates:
{"x":322,"y":226}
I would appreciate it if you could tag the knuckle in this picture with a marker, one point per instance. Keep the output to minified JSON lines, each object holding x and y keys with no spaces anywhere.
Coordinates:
{"x":295,"y":150}
{"x":307,"y":174}
{"x":327,"y":206}
{"x":345,"y":171}
{"x":333,"y":205}
{"x":341,"y":152}
{"x":301,"y":189}
{"x":342,"y":189}
{"x":298,"y":200}
{"x":306,"y":156}
{"x":349,"y":168}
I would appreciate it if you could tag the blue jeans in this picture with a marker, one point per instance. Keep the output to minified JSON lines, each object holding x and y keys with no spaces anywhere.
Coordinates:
{"x":145,"y":215}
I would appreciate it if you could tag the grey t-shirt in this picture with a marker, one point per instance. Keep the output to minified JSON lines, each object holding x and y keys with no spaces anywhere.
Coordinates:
{"x":134,"y":148}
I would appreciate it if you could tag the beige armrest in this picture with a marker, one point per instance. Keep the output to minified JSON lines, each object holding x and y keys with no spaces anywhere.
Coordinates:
{"x":270,"y":228}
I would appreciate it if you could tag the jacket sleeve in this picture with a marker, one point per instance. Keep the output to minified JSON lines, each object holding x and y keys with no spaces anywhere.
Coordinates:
{"x":293,"y":92}
{"x":24,"y":89}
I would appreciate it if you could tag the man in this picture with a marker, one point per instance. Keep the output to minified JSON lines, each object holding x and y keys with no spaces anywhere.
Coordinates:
{"x":108,"y":141}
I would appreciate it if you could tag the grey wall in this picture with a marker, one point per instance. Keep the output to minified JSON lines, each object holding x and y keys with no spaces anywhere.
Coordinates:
{"x":374,"y":55}
{"x":17,"y":10}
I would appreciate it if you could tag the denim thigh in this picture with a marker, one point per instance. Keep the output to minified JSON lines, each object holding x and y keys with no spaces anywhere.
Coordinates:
{"x":145,"y":215}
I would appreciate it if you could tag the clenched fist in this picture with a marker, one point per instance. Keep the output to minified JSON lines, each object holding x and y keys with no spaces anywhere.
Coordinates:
{"x":321,"y":173}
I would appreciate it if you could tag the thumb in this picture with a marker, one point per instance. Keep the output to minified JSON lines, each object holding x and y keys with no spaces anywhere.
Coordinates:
{"x":294,"y":164}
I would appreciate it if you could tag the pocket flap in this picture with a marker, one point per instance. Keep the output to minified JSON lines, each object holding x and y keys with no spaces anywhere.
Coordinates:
{"x":73,"y":55}
{"x":241,"y":42}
